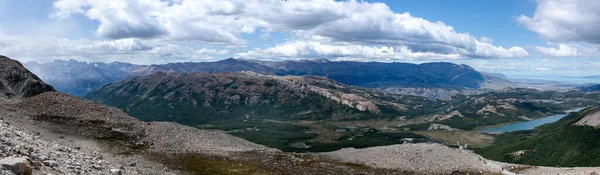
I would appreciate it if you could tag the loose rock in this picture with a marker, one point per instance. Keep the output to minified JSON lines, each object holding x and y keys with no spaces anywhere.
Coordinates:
{"x":18,"y":165}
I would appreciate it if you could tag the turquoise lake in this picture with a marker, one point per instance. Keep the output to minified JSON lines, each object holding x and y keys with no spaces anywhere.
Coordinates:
{"x":530,"y":124}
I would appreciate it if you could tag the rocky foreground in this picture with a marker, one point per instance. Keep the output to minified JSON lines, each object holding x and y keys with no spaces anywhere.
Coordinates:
{"x":24,"y":153}
{"x":54,"y":133}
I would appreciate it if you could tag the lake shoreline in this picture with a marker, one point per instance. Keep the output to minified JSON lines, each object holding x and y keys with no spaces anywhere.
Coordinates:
{"x":528,"y":125}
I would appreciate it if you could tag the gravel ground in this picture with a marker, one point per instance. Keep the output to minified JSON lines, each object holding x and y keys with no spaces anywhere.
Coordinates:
{"x":425,"y":158}
{"x":163,"y":135}
{"x":43,"y":157}
{"x":75,"y":134}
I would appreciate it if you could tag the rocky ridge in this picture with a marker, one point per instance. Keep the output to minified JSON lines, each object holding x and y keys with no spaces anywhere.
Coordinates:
{"x":249,"y":93}
{"x":16,"y":81}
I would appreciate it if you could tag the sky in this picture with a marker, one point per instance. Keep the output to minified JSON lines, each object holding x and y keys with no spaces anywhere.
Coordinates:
{"x":537,"y":38}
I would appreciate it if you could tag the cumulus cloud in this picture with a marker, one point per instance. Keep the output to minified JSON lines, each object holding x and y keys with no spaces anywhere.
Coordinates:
{"x":345,"y":51}
{"x":355,"y":23}
{"x":118,"y":19}
{"x":570,"y":25}
{"x":565,"y":20}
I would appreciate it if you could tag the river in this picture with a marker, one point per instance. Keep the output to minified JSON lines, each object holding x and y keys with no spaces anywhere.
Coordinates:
{"x":527,"y":125}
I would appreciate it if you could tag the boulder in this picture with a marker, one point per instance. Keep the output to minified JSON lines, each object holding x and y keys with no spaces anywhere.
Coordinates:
{"x":18,"y":165}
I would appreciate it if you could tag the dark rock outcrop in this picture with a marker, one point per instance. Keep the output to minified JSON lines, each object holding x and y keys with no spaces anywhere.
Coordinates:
{"x":18,"y":82}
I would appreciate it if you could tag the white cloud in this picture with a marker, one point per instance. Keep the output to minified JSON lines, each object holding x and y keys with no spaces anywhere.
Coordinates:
{"x":212,"y":51}
{"x":569,"y":50}
{"x":46,"y":48}
{"x":312,"y":49}
{"x":536,"y":67}
{"x":565,"y":20}
{"x":346,"y":51}
{"x":486,"y":40}
{"x":266,"y":37}
{"x":224,"y":22}
{"x":570,"y":25}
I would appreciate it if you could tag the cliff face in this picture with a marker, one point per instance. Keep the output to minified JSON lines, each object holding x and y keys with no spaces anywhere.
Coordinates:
{"x":17,"y":82}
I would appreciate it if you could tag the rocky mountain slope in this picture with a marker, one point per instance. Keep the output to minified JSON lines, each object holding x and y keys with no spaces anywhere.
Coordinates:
{"x":16,"y":81}
{"x":79,"y":78}
{"x":248,"y":105}
{"x":592,"y":119}
{"x":51,"y":132}
{"x":209,"y":97}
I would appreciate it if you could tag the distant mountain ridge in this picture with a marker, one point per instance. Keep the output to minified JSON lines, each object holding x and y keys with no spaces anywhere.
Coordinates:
{"x":592,"y":88}
{"x":80,"y":78}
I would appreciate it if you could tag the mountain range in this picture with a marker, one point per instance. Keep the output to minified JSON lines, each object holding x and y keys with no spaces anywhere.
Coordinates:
{"x":48,"y":132}
{"x":80,"y":78}
{"x":192,"y":97}
{"x":57,"y":133}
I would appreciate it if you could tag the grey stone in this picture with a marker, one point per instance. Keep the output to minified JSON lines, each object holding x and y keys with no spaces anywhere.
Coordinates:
{"x":50,"y":163}
{"x":116,"y":171}
{"x":18,"y":165}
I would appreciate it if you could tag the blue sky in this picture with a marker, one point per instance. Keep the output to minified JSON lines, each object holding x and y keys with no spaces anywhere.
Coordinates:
{"x":493,"y":19}
{"x":516,"y":37}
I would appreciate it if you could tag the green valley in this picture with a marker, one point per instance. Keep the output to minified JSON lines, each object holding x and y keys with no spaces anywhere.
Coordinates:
{"x":313,"y":114}
{"x":556,"y":144}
